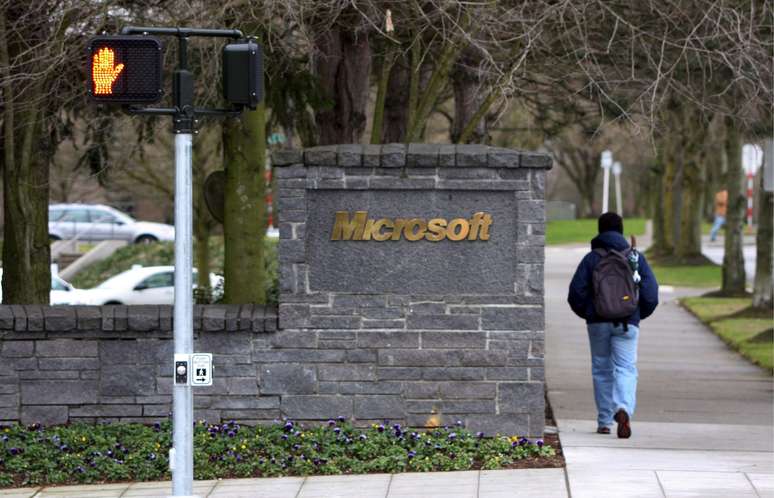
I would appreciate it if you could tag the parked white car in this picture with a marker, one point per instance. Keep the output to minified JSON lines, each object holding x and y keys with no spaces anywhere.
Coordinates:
{"x":142,"y":285}
{"x":93,"y":222}
{"x":62,"y":292}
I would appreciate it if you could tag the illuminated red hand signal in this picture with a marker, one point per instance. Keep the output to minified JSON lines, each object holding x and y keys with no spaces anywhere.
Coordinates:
{"x":104,"y":71}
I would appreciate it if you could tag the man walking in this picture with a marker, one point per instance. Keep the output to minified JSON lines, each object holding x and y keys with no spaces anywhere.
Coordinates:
{"x":613,"y":289}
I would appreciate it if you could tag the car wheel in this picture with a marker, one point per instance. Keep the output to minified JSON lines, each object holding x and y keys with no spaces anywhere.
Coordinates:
{"x":146,"y":239}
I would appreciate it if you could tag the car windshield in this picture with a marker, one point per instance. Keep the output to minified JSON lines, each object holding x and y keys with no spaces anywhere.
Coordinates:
{"x":57,"y":284}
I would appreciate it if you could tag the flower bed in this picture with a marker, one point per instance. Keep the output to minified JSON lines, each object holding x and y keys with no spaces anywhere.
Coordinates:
{"x":124,"y":452}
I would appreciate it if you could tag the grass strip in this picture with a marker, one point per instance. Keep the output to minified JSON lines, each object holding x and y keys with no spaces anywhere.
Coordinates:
{"x":705,"y":275}
{"x":748,"y":332}
{"x":581,"y":231}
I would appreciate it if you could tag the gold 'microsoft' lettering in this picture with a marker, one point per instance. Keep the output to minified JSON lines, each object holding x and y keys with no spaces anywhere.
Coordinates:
{"x":360,"y":227}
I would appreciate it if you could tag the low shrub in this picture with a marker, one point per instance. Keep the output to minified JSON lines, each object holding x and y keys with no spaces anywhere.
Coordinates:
{"x":82,"y":453}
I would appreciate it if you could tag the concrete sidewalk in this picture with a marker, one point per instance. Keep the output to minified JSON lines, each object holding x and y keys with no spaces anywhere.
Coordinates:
{"x":703,"y":425}
{"x":526,"y":483}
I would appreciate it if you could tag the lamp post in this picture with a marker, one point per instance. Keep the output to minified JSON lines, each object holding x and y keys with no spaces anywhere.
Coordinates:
{"x":606,"y":162}
{"x":617,"y":174}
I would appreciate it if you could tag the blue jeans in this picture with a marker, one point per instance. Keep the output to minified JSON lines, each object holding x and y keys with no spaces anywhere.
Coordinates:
{"x":719,"y":222}
{"x":613,"y":368}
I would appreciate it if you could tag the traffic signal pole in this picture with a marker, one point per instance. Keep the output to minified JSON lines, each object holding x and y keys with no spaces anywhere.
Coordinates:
{"x":127,"y":70}
{"x":181,"y":458}
{"x":184,"y":125}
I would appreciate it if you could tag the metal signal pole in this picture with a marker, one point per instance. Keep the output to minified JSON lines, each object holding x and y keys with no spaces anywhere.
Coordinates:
{"x":184,"y":125}
{"x":182,"y":394}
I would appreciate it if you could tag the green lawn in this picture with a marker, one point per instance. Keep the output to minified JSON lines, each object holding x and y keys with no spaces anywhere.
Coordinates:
{"x":583,"y":230}
{"x":748,"y":333}
{"x":688,"y":275}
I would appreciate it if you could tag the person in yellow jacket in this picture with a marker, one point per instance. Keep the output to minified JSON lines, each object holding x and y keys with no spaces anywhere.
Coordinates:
{"x":721,"y":205}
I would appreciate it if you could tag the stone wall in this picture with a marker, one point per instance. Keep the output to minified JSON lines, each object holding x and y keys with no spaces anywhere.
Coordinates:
{"x":418,"y":332}
{"x":422,"y":332}
{"x":114,"y":363}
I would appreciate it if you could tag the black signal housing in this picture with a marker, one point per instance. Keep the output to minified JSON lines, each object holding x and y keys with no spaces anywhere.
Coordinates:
{"x":243,"y":73}
{"x":125,"y":69}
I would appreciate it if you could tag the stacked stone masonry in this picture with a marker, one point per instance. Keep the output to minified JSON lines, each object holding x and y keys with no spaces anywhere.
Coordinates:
{"x":398,"y":331}
{"x":114,"y":363}
{"x":462,"y":340}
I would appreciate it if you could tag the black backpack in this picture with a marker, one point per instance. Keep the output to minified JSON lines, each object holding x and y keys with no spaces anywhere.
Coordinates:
{"x":616,"y":294}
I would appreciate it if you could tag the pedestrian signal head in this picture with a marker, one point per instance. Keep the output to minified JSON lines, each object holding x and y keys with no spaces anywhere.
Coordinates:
{"x":243,"y":73}
{"x":125,"y":69}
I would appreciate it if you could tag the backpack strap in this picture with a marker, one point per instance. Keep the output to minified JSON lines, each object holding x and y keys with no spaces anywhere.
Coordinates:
{"x":601,"y":251}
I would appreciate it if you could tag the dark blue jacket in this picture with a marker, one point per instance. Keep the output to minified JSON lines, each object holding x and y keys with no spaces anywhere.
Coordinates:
{"x":581,"y":292}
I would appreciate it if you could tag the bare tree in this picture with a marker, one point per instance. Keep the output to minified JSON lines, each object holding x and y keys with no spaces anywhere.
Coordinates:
{"x":578,"y":155}
{"x":39,"y":42}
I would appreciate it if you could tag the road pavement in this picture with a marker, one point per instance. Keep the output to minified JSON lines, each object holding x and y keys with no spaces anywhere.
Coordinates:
{"x":715,"y":251}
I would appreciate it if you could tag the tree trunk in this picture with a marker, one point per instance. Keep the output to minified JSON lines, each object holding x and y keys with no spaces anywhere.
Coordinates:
{"x":386,"y":62}
{"x":587,"y":198}
{"x":658,"y":247}
{"x":26,"y":247}
{"x":202,"y":218}
{"x":431,"y":92}
{"x":587,"y":188}
{"x":733,"y":260}
{"x":763,"y":289}
{"x":396,"y":103}
{"x":468,"y":97}
{"x":244,"y":224}
{"x":202,"y":243}
{"x":689,"y":244}
{"x":688,"y":247}
{"x":668,"y":188}
{"x":343,"y":65}
{"x":415,"y":75}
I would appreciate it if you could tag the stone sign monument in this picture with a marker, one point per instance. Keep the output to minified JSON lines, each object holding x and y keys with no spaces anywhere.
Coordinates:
{"x":412,"y":285}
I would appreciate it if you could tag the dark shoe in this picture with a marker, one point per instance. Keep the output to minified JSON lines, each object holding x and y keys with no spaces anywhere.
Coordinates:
{"x":603,"y":430}
{"x":624,"y":430}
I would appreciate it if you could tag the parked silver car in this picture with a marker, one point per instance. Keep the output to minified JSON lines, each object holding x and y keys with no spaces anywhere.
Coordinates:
{"x":92,"y":222}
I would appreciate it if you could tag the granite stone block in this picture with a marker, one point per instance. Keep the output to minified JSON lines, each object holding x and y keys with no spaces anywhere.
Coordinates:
{"x":287,"y":379}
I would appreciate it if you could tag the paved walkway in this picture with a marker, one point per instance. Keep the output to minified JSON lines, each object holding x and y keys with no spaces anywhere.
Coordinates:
{"x":527,"y":483}
{"x":703,"y":425}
